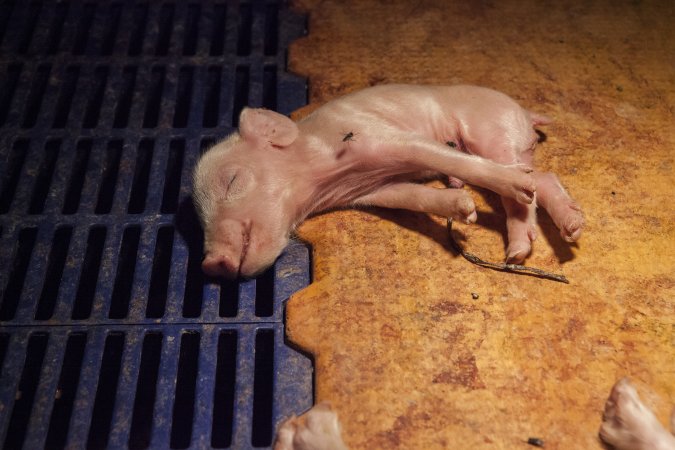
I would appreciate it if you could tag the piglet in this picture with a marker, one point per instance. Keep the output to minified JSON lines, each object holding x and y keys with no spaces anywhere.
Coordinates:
{"x":370,"y":148}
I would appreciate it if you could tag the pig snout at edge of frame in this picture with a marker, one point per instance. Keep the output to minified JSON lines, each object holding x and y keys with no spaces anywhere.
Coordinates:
{"x":370,"y":148}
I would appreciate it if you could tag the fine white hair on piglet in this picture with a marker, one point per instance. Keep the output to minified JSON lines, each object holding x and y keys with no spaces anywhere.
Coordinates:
{"x":205,"y":192}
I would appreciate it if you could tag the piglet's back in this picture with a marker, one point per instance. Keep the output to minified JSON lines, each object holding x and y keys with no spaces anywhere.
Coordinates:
{"x":429,"y":110}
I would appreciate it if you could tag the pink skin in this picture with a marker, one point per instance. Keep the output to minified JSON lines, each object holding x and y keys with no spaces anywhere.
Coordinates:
{"x":627,"y":424}
{"x":502,"y":144}
{"x":368,"y":148}
{"x":317,"y":429}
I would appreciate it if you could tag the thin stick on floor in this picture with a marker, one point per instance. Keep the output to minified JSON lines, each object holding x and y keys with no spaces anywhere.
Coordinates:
{"x":504,"y":267}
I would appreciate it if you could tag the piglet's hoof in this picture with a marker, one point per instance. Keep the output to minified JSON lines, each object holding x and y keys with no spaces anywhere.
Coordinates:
{"x":629,"y":425}
{"x":565,"y":212}
{"x":317,"y":429}
{"x":517,"y":251}
{"x":572,"y":224}
{"x":464,"y":209}
{"x":513,"y":181}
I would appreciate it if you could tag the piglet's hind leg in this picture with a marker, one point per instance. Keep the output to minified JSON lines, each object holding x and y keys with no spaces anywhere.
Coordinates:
{"x":564,"y":211}
{"x":520,"y":220}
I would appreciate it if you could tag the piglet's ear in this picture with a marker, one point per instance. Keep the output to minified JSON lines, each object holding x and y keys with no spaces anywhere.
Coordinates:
{"x":257,"y":124}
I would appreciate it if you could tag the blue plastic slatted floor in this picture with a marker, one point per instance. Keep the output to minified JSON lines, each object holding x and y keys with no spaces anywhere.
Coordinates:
{"x":110,"y":336}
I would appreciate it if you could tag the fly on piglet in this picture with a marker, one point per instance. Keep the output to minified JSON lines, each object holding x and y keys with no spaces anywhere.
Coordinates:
{"x":253,"y":188}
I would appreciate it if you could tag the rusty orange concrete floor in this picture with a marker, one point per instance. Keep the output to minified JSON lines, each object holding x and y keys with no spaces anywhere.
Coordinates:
{"x":408,"y":358}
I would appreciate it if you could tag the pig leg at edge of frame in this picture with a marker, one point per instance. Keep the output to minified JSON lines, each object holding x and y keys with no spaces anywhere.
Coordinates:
{"x":627,"y":424}
{"x":453,"y":203}
{"x":317,"y":429}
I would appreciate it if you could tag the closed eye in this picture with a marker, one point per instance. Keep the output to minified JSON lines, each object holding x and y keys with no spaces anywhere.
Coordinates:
{"x":233,"y":189}
{"x":238,"y":185}
{"x":229,"y":185}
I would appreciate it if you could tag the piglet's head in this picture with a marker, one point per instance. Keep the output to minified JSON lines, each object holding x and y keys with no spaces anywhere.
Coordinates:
{"x":244,"y":195}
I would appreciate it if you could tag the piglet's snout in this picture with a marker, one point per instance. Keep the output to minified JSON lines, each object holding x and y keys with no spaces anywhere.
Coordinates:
{"x":221,"y":265}
{"x":225,"y":252}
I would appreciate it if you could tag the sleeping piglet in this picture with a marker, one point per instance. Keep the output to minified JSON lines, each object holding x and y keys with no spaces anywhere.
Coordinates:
{"x":368,"y":148}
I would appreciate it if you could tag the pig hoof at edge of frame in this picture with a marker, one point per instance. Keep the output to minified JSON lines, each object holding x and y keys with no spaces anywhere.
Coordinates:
{"x":629,"y":425}
{"x":318,"y":429}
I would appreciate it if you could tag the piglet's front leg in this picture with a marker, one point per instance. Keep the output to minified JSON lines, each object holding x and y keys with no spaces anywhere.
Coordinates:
{"x":513,"y":181}
{"x":453,"y":203}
